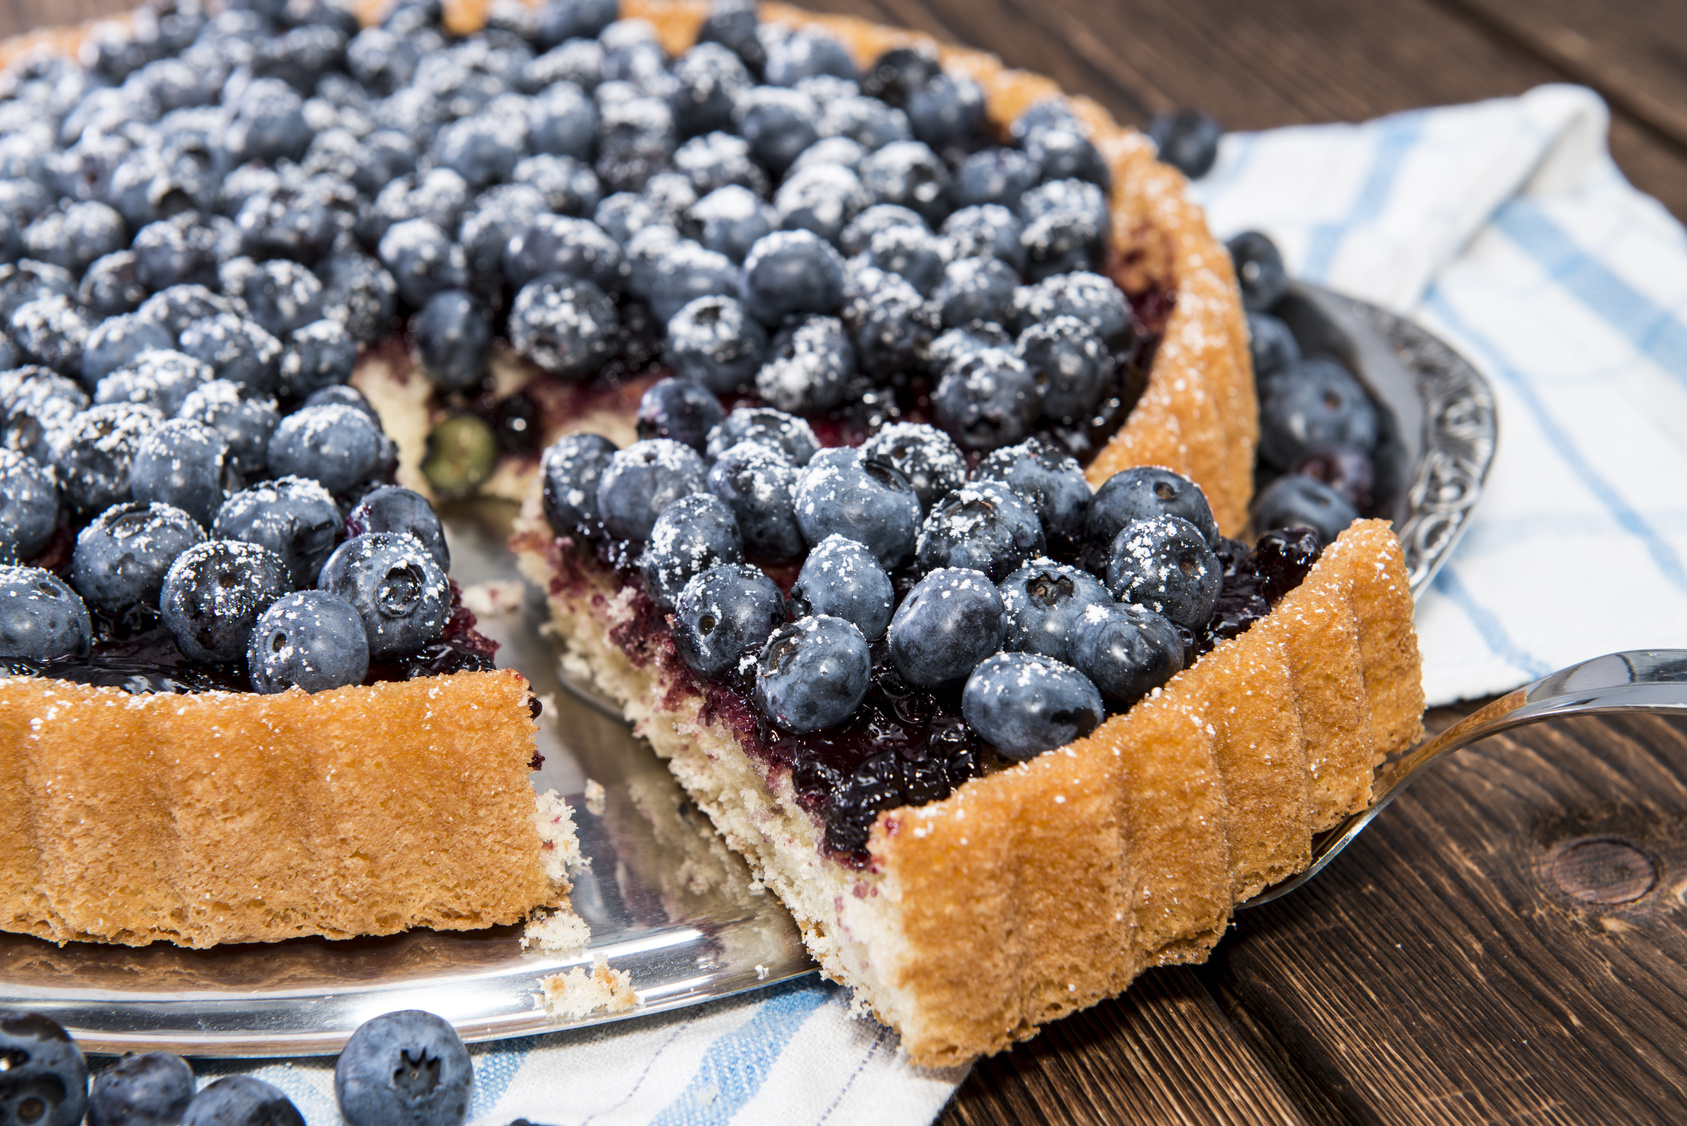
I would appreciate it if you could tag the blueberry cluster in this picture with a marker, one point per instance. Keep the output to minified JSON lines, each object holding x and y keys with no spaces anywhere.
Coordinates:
{"x":405,"y":1067}
{"x":930,"y":608}
{"x":1318,"y":429}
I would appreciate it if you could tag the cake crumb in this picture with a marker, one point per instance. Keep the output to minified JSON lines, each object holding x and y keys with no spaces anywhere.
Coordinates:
{"x":594,"y":797}
{"x":576,"y":995}
{"x":555,"y":822}
{"x":559,"y":931}
{"x":494,"y":597}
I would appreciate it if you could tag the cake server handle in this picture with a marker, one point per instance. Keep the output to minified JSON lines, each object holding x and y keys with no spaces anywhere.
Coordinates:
{"x":1642,"y":680}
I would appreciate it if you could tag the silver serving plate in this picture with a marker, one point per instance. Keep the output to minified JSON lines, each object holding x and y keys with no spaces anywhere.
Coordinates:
{"x":665,"y":900}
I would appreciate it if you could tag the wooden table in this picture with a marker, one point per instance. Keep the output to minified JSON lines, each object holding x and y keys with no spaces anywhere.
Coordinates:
{"x":1506,"y":943}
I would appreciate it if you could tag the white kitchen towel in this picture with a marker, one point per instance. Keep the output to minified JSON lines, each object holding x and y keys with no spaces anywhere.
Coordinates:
{"x":1505,"y":228}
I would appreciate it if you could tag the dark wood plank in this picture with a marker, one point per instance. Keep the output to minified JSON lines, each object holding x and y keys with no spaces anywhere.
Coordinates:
{"x":1505,"y":944}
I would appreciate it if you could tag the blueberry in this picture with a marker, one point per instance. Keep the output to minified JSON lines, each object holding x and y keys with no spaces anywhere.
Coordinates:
{"x":912,"y":253}
{"x":568,"y":186}
{"x":759,"y":484}
{"x":116,"y":341}
{"x":565,"y":325}
{"x":358,"y":292}
{"x":1164,"y":563}
{"x":293,"y":516}
{"x":635,"y":140}
{"x":820,"y":197}
{"x":948,"y":623}
{"x":392,"y":508}
{"x":682,"y":409}
{"x":866,"y":122}
{"x":731,"y":219}
{"x":1144,"y":492}
{"x":240,"y":1100}
{"x":309,"y":639}
{"x":453,"y":336}
{"x":245,"y":423}
{"x":958,"y":343}
{"x":813,"y":673}
{"x":1024,"y":704}
{"x":1348,"y":471}
{"x":1311,"y":404}
{"x":984,"y":527}
{"x":791,"y":272}
{"x":869,"y":502}
{"x":74,"y":237}
{"x":691,"y":535}
{"x":570,"y":470}
{"x":46,"y":1080}
{"x":707,"y":81}
{"x":1091,"y":298}
{"x":713,"y":341}
{"x":1065,"y":195}
{"x":1259,"y":270}
{"x":1126,"y":651}
{"x":238,"y":350}
{"x":407,"y":1067}
{"x":336,"y":445}
{"x":643,"y":479}
{"x":1271,"y":346}
{"x":570,"y":19}
{"x":1187,"y":140}
{"x":181,"y":463}
{"x":892,"y":325}
{"x":267,"y":122}
{"x":160,"y":379}
{"x":1070,"y":364}
{"x":152,"y":1089}
{"x":297,"y":221}
{"x":977,"y":289}
{"x":38,"y":409}
{"x":180,"y":250}
{"x":908,"y":173}
{"x":947,"y":111}
{"x":724,"y":615}
{"x":561,"y":120}
{"x":40,"y":618}
{"x":96,"y":451}
{"x":804,"y":54}
{"x":987,"y":399}
{"x":392,"y":580}
{"x":842,"y":579}
{"x":439,"y":196}
{"x":112,"y":285}
{"x":718,"y":160}
{"x":778,"y":123}
{"x":1043,"y":599}
{"x":1046,"y":478}
{"x":646,"y":253}
{"x":180,"y":305}
{"x":687,"y":272}
{"x":788,"y":435}
{"x":880,"y":217}
{"x":1293,"y":501}
{"x":1067,"y":154}
{"x":121,"y":558}
{"x":1062,"y":241}
{"x":51,"y":331}
{"x":481,"y":148}
{"x":925,"y":455}
{"x":422,"y":259}
{"x":733,"y":24}
{"x":29,"y":506}
{"x":896,"y":74}
{"x":577,"y":63}
{"x":30,"y":280}
{"x":808,"y":366}
{"x":213,"y":594}
{"x":496,"y":215}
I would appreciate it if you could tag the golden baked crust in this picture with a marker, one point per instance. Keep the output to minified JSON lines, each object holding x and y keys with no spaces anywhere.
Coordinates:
{"x":1061,"y":878}
{"x":225,"y":817}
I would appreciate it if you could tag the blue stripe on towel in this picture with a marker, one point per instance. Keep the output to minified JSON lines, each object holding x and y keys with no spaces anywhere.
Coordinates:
{"x":1487,"y":623}
{"x":1655,"y":332}
{"x":1395,"y":137}
{"x":736,"y":1065}
{"x":1663,"y":555}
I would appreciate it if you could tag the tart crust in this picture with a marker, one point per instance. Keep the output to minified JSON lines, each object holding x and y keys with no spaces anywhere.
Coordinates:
{"x":227,"y":817}
{"x":1043,"y":888}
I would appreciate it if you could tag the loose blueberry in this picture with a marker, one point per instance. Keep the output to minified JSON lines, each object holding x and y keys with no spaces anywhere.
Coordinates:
{"x":869,"y":502}
{"x":713,"y":341}
{"x":813,"y":673}
{"x":682,"y":409}
{"x":309,"y":639}
{"x":759,"y":484}
{"x":1143,"y":492}
{"x":1046,"y":478}
{"x":987,"y":399}
{"x":405,"y":1067}
{"x":184,"y":464}
{"x":213,"y":594}
{"x":29,"y":506}
{"x":808,"y":366}
{"x":96,"y":451}
{"x":724,"y":615}
{"x":1312,"y":404}
{"x":245,"y":423}
{"x":1303,"y":502}
{"x":1127,"y":651}
{"x":947,"y":624}
{"x":320,"y":354}
{"x":1187,"y":140}
{"x":985,"y":528}
{"x":928,"y":457}
{"x":241,"y":1100}
{"x":691,"y":535}
{"x":1259,"y":270}
{"x":121,"y":558}
{"x":643,"y":479}
{"x":46,"y":1080}
{"x":1043,"y":599}
{"x":566,"y":326}
{"x":293,"y":516}
{"x":337,"y":445}
{"x":791,"y":272}
{"x":152,"y":1089}
{"x":841,"y":578}
{"x":392,"y":508}
{"x":789,"y":435}
{"x":1024,"y":704}
{"x":40,"y":618}
{"x":570,"y":470}
{"x":1164,"y":563}
{"x":393,"y":581}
